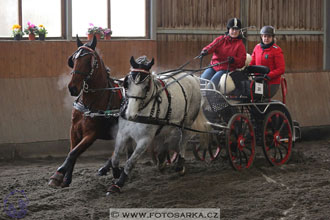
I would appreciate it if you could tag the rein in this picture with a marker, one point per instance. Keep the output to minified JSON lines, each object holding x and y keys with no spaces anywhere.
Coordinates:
{"x":187,"y":74}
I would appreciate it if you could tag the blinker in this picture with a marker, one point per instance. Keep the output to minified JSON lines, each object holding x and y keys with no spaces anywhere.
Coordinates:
{"x":139,"y":77}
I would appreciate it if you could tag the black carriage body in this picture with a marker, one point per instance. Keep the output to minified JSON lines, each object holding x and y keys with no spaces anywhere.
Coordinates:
{"x":244,"y":123}
{"x":219,"y":109}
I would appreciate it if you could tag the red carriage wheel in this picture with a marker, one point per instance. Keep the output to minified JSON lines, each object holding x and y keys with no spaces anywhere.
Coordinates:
{"x":214,"y":148}
{"x":172,"y":156}
{"x":199,"y":153}
{"x":277,"y":138}
{"x":214,"y":151}
{"x":240,"y":142}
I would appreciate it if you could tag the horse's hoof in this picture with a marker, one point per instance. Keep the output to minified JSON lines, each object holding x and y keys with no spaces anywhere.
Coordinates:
{"x":183,"y":171}
{"x":103,"y":171}
{"x":64,"y":184}
{"x":180,"y":170}
{"x":56,"y":180}
{"x":161,"y":167}
{"x":113,"y":189}
{"x":53,"y":183}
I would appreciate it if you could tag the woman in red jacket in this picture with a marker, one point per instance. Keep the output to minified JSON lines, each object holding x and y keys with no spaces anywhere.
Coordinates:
{"x":267,"y":53}
{"x":228,"y":47}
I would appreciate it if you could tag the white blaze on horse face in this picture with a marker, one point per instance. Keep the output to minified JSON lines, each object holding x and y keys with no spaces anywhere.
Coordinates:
{"x":136,"y":90}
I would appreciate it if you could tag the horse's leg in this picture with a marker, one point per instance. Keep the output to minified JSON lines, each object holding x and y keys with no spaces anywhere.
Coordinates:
{"x":141,"y":147}
{"x":57,"y":178}
{"x":105,"y":169}
{"x":121,"y":142}
{"x":84,"y":144}
{"x":63,"y":175}
{"x":108,"y":165}
{"x":180,"y":165}
{"x":163,"y":151}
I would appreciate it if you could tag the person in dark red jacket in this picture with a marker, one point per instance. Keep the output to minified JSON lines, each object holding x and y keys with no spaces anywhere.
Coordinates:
{"x":269,"y":54}
{"x":228,"y":47}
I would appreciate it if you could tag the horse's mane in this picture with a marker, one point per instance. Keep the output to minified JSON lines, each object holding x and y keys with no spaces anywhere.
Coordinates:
{"x":100,"y":56}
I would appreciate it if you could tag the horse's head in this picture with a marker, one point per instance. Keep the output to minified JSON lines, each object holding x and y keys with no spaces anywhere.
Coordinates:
{"x":83,"y":62}
{"x":138,"y":83}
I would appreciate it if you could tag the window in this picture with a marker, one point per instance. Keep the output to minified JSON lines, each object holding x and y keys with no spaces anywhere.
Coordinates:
{"x":8,"y":17}
{"x":128,"y":18}
{"x":47,"y":13}
{"x":85,"y":12}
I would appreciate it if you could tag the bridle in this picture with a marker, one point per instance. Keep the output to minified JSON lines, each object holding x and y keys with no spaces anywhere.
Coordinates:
{"x":89,"y":74}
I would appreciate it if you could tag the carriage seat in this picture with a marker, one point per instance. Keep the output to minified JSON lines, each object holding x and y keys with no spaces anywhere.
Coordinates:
{"x":239,"y":85}
{"x":257,"y":69}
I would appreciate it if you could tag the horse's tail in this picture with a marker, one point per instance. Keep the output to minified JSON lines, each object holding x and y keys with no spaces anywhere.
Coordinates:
{"x":201,"y":124}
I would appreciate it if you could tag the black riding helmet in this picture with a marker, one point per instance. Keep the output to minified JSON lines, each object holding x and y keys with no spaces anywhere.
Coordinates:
{"x":269,"y":30}
{"x":234,"y":23}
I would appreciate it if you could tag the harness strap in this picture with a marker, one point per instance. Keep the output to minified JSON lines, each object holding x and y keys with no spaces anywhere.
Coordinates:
{"x":169,"y":98}
{"x":284,"y":89}
{"x":100,"y":113}
{"x":251,"y":91}
{"x":185,"y":99}
{"x":116,"y":85}
{"x":162,"y":123}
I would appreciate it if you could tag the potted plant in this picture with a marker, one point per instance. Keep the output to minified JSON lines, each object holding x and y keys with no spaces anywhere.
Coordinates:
{"x":94,"y":30}
{"x":31,"y":30}
{"x":17,"y":32}
{"x":42,"y":32}
{"x":107,"y":33}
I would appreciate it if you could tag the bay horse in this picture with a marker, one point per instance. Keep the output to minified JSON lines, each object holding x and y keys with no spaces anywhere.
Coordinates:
{"x":153,"y":107}
{"x":96,"y":110}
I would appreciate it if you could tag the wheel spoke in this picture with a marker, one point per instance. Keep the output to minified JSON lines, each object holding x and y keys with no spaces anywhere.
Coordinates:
{"x":284,"y":146}
{"x":282,"y":126}
{"x":241,"y":125}
{"x":236,"y":131}
{"x":204,"y":154}
{"x":246,"y":132}
{"x":281,"y":154}
{"x":277,"y":121}
{"x":240,"y":158}
{"x":272,"y":145}
{"x":246,"y":157}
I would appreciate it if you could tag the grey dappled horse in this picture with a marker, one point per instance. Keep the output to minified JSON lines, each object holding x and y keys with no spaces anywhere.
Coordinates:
{"x":154,"y":107}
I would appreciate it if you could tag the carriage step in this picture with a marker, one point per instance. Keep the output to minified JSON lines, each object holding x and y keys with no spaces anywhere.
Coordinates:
{"x":297,"y":131}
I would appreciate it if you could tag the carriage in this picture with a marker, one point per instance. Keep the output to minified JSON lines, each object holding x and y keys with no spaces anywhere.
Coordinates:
{"x":230,"y":123}
{"x":243,"y":119}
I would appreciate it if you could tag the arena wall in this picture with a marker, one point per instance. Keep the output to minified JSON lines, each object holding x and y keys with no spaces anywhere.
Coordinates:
{"x":36,"y":106}
{"x":35,"y":102}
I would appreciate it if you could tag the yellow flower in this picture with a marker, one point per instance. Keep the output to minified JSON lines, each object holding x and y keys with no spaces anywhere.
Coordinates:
{"x":40,"y":25}
{"x":16,"y":26}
